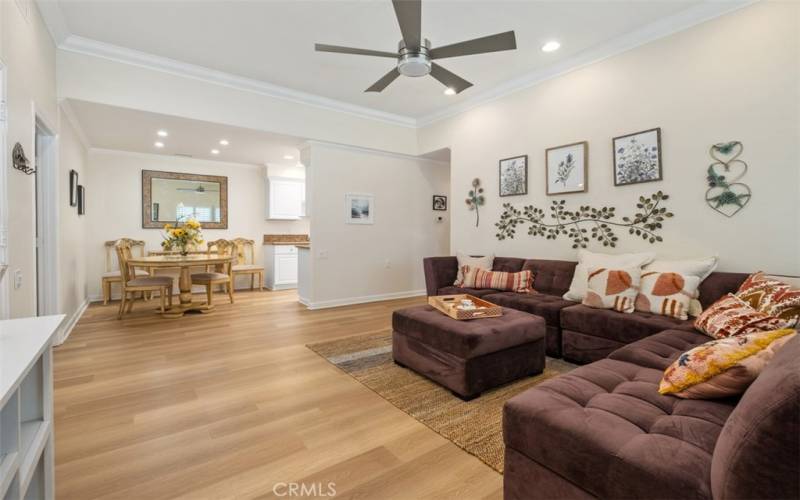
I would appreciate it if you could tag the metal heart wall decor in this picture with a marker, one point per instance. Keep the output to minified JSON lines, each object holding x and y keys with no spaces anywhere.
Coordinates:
{"x":725,"y":194}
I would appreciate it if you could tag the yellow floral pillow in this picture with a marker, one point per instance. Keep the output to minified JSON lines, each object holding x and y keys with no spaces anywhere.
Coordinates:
{"x":724,"y":367}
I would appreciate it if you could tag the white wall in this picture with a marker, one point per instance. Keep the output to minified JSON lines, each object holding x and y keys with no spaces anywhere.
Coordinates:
{"x":348,"y":260}
{"x":114,"y":206}
{"x":29,"y":54}
{"x":733,"y":78}
{"x":73,"y":228}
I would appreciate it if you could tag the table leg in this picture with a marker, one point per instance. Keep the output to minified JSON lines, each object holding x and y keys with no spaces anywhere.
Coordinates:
{"x":186,"y":304}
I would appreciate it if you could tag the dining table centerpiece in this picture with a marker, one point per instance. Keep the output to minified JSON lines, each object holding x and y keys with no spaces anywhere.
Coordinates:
{"x":182,"y":236}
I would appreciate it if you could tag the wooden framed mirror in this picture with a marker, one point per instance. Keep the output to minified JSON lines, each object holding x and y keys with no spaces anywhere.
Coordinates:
{"x":170,"y":197}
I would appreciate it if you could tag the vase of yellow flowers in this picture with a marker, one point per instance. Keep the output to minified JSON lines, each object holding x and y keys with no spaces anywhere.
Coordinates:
{"x":182,"y":236}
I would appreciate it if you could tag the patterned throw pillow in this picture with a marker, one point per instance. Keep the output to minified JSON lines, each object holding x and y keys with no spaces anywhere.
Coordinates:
{"x":475,"y":277}
{"x":668,"y":294}
{"x":484,"y":262}
{"x":722,"y":368}
{"x":613,"y":289}
{"x":730,"y":316}
{"x":771,"y":296}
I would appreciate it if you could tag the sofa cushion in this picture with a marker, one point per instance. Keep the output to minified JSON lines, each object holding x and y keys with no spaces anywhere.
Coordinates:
{"x":540,"y":304}
{"x":468,"y":339}
{"x":551,"y":276}
{"x":605,"y":428}
{"x":456,"y":290}
{"x":660,"y":350}
{"x":620,"y":327}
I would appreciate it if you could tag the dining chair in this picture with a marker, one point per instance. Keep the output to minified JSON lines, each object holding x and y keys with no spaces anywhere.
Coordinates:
{"x":222,"y":274}
{"x":133,"y":284}
{"x":246,"y":262}
{"x":112,"y":273}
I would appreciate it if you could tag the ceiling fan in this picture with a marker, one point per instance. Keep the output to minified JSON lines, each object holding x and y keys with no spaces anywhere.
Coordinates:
{"x":415,"y":55}
{"x":199,"y":189}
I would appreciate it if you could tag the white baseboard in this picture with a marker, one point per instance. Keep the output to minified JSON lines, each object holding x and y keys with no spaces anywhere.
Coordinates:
{"x":325,"y":304}
{"x":67,"y":326}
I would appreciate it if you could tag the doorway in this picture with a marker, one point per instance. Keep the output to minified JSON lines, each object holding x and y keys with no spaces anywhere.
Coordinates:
{"x":45,"y":159}
{"x":4,"y":286}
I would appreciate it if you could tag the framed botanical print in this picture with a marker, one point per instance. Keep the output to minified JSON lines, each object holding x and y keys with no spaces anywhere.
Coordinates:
{"x":359,"y":208}
{"x":514,"y":176}
{"x":73,"y":188}
{"x":439,"y":202}
{"x":567,"y":168}
{"x":637,"y":157}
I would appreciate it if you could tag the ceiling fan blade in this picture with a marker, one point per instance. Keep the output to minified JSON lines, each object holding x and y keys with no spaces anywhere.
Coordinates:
{"x":384,"y":81}
{"x":450,"y":80}
{"x":320,"y":47}
{"x":409,"y":16}
{"x":491,"y":43}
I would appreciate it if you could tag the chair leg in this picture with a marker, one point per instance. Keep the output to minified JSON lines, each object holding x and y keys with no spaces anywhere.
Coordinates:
{"x":130,"y":304}
{"x":162,"y":297}
{"x":261,"y":281}
{"x":121,"y":305}
{"x":169,"y":296}
{"x":209,"y":293}
{"x":106,"y":292}
{"x":252,"y":280}
{"x":230,"y":290}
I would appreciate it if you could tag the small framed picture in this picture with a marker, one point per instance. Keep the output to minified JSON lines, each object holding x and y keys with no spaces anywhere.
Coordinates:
{"x":514,"y":176}
{"x":637,"y":157}
{"x":81,"y":200}
{"x":359,"y":208}
{"x":567,"y":168}
{"x":73,"y":188}
{"x":439,"y":202}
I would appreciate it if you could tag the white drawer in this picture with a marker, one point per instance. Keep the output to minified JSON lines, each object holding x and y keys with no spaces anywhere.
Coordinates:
{"x":285,"y":249}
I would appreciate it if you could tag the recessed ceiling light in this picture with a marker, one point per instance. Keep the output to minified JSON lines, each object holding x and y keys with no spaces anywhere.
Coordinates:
{"x":215,"y":151}
{"x":224,"y":142}
{"x":158,"y":144}
{"x":288,"y":157}
{"x":551,"y":46}
{"x":162,"y":133}
{"x":449,"y":91}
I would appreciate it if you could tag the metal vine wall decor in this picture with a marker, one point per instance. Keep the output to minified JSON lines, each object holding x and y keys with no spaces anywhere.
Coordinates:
{"x":725,"y":194}
{"x":573,"y":224}
{"x":475,"y":199}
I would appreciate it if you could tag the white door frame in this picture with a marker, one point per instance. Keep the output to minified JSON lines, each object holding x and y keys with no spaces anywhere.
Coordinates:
{"x":5,"y":291}
{"x":47,"y":213}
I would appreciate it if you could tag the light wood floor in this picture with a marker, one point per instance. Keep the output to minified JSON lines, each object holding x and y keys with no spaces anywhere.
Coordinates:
{"x":232,"y":403}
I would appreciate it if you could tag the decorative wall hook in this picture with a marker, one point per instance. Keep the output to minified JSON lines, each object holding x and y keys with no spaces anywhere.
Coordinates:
{"x":725,"y":194}
{"x":19,"y":161}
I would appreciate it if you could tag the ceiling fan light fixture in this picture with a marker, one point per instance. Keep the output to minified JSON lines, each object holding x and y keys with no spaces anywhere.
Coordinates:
{"x":449,"y":91}
{"x":215,"y":151}
{"x":224,"y":142}
{"x":551,"y":46}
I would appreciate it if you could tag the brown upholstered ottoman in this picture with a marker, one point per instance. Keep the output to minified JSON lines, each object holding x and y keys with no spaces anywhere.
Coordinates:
{"x":468,"y":357}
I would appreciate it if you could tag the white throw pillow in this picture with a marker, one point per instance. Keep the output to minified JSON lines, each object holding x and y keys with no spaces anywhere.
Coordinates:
{"x":587,"y":259}
{"x":484,"y":262}
{"x":701,"y":268}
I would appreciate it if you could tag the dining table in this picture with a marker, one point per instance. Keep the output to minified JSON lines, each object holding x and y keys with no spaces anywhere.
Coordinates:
{"x":184,"y":263}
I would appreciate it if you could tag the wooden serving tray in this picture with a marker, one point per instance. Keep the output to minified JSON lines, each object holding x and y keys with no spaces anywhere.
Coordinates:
{"x":448,"y":304}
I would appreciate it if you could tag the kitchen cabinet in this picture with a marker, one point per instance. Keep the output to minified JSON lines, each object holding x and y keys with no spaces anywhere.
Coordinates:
{"x":286,"y":198}
{"x":281,"y":266}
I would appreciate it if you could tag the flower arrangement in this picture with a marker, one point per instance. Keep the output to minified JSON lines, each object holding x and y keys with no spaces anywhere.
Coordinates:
{"x":182,"y":236}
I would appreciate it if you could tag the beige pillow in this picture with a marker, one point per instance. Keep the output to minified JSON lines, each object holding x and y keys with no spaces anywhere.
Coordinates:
{"x":701,"y":268}
{"x":482,"y":262}
{"x":587,"y":259}
{"x":667,"y":293}
{"x":613,"y":288}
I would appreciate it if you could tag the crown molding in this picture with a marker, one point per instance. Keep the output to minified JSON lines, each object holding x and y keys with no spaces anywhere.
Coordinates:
{"x":662,"y":28}
{"x":86,"y":46}
{"x":174,"y":157}
{"x":69,"y":114}
{"x":360,"y":149}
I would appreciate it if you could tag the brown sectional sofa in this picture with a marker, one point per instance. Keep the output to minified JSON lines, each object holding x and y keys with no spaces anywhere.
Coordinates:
{"x":575,"y":332}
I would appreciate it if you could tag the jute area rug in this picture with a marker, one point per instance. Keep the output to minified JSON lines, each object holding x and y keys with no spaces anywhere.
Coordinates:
{"x":475,"y":426}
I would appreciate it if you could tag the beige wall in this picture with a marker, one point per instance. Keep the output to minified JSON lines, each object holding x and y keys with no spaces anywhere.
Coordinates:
{"x":73,"y":228}
{"x":29,"y":54}
{"x":114,"y":206}
{"x":733,"y":78}
{"x":349,"y":262}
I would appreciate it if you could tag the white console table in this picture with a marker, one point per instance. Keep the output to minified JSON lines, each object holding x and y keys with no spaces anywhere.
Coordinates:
{"x":26,"y":408}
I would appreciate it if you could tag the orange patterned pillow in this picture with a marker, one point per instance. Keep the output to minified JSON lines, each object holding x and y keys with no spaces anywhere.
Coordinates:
{"x":613,"y":289}
{"x":668,"y":294}
{"x":771,"y":296}
{"x":475,"y":277}
{"x":731,"y":316}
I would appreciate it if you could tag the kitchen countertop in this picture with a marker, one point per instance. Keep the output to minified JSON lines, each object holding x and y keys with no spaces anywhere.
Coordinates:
{"x":286,"y":239}
{"x":303,"y":245}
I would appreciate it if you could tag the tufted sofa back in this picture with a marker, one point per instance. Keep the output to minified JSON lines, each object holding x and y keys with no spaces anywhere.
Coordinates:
{"x":552,"y":277}
{"x":757,"y":454}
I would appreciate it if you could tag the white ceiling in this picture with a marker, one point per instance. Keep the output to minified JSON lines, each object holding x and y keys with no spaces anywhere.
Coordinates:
{"x":273,"y":41}
{"x":111,"y":127}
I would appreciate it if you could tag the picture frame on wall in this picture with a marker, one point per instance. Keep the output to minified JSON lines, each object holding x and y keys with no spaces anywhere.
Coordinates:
{"x":637,"y":157}
{"x":439,"y":202}
{"x":359,"y":208}
{"x":81,"y":200}
{"x":567,"y":168}
{"x":73,"y":188}
{"x":514,"y":176}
